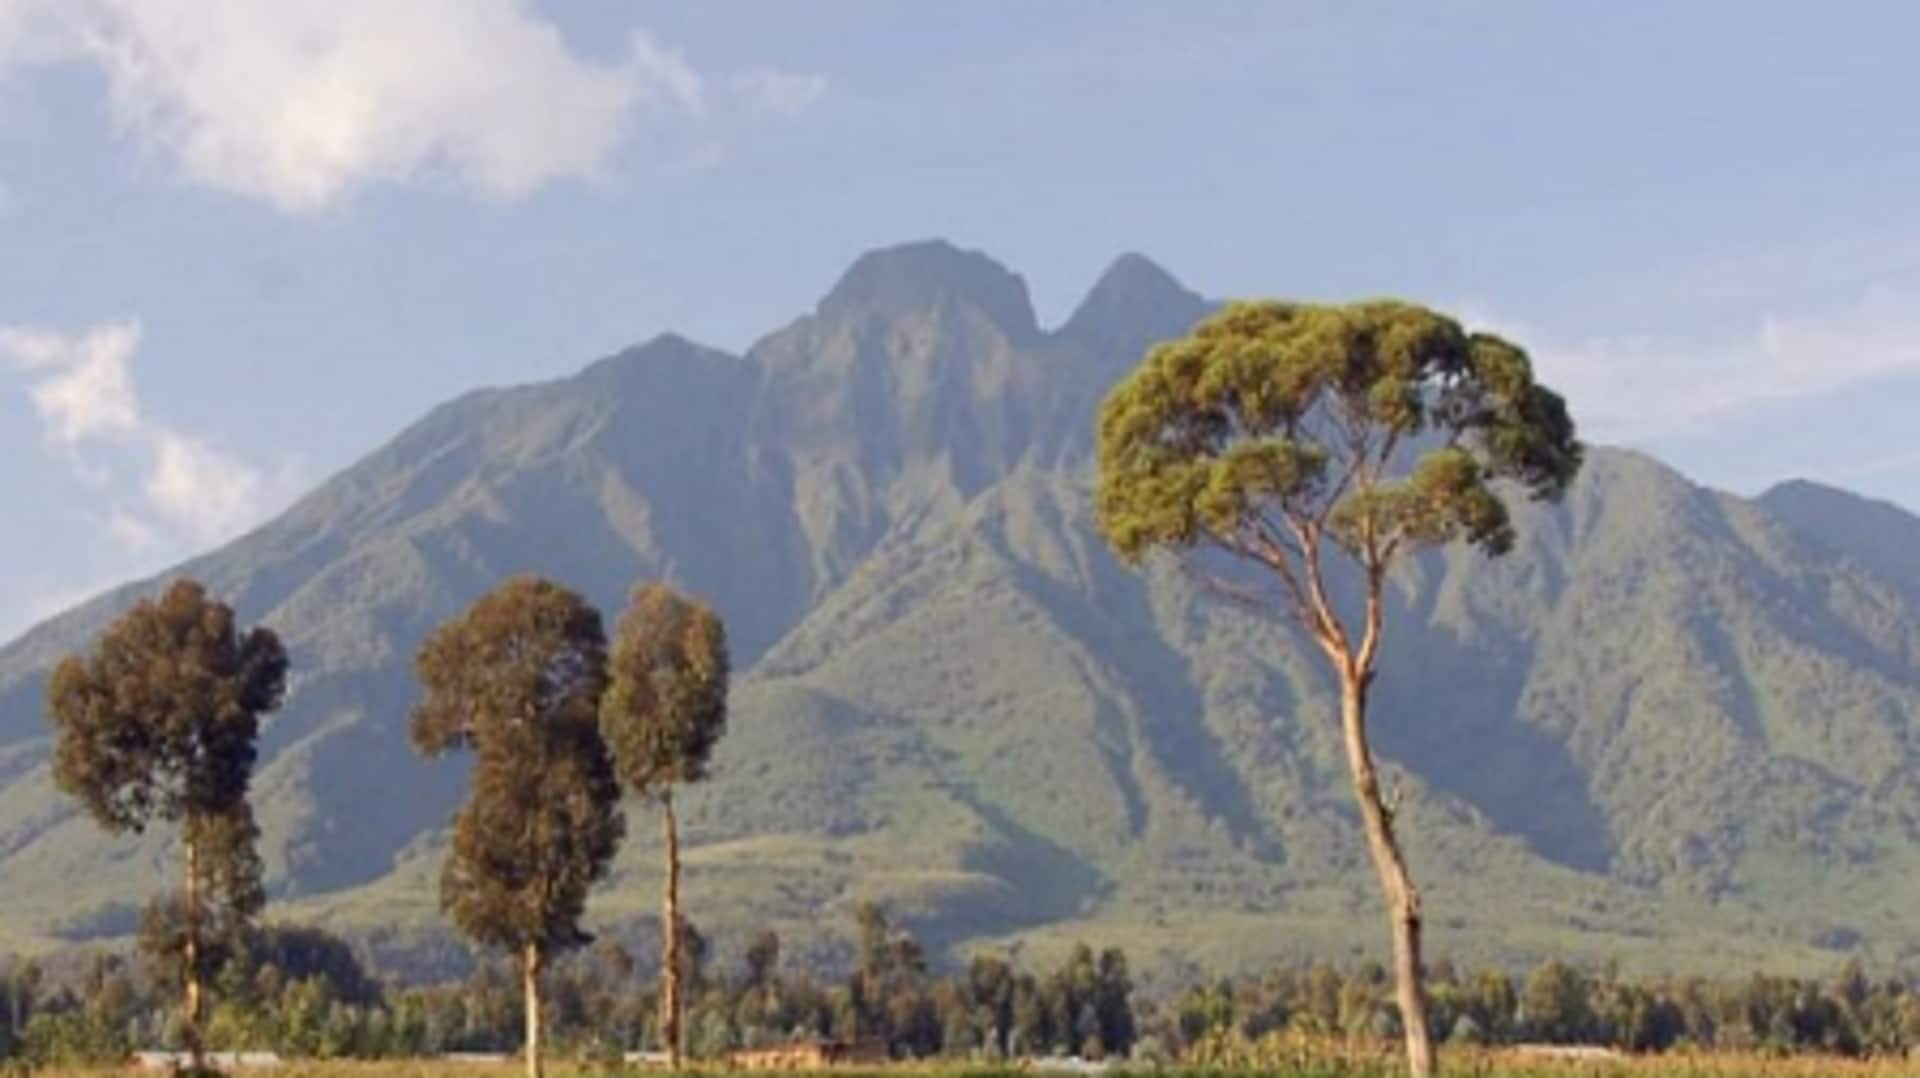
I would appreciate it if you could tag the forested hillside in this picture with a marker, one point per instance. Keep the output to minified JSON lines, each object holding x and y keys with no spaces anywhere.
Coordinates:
{"x":1673,"y":726}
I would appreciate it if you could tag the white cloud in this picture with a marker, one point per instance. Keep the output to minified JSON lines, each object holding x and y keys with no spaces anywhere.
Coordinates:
{"x":197,"y":487}
{"x":666,"y":73}
{"x":13,"y":18}
{"x":303,"y":102}
{"x":130,"y":532}
{"x":300,"y":101}
{"x":1639,"y":386}
{"x":189,"y":493}
{"x":780,"y":93}
{"x":83,"y":389}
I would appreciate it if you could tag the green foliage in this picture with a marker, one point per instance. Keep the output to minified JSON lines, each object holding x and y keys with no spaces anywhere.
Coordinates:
{"x":666,"y":703}
{"x":1274,"y":429}
{"x":1318,"y":1019}
{"x":289,"y":952}
{"x":663,"y":712}
{"x":518,"y":680}
{"x":159,"y":720}
{"x":1234,"y":1023}
{"x":1554,"y":1007}
{"x":1276,"y":411}
{"x":71,"y":1039}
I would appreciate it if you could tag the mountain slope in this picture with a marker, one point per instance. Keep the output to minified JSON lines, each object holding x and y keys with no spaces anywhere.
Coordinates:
{"x":1673,"y":726}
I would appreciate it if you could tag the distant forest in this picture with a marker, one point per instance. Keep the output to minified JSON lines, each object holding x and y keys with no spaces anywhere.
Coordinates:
{"x":304,"y":994}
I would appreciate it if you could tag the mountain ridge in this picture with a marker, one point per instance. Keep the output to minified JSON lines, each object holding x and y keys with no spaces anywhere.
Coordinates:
{"x":1673,"y":724}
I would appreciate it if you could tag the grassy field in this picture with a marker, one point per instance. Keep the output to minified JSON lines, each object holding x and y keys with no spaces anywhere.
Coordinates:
{"x":1504,"y":1064}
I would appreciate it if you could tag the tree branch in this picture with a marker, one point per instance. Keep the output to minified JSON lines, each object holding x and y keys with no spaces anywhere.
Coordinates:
{"x":1370,"y":637}
{"x":1273,"y":559}
{"x":1375,"y":560}
{"x":1243,"y":594}
{"x":1326,"y":621}
{"x":1356,"y":455}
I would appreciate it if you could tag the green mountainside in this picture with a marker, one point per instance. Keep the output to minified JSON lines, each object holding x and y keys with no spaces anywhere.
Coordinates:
{"x":1674,"y":727}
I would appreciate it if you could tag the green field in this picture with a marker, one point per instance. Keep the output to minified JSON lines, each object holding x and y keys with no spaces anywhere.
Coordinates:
{"x":1494,"y":1065}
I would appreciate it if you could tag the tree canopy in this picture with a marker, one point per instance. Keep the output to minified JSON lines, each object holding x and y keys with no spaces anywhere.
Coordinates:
{"x":666,"y":707}
{"x":517,"y":679}
{"x":160,"y":720}
{"x":1383,"y":426}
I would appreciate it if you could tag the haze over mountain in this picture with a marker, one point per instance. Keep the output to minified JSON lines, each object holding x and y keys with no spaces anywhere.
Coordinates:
{"x":1674,"y":726}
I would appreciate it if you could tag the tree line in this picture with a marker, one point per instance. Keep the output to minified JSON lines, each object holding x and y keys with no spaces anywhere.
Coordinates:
{"x":159,"y":723}
{"x":305,"y":994}
{"x":1850,"y":1014}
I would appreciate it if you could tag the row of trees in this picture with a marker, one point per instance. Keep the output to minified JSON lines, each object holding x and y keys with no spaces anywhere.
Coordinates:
{"x":159,"y":723}
{"x":1851,"y":1014}
{"x":558,"y":727}
{"x":303,"y":993}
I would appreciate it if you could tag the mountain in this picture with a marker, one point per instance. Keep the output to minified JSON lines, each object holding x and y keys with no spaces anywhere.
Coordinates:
{"x":1674,"y":727}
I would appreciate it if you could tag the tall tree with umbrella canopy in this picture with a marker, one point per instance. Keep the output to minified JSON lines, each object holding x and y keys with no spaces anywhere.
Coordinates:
{"x":1279,"y":434}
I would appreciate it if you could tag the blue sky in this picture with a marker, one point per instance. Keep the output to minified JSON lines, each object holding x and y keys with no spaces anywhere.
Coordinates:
{"x":242,"y":242}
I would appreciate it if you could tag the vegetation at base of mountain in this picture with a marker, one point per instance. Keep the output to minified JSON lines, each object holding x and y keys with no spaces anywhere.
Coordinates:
{"x":304,"y":995}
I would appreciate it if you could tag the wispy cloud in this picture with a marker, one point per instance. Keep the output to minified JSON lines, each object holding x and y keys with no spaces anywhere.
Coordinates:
{"x":1640,"y":385}
{"x":157,"y":488}
{"x":81,"y":385}
{"x":192,"y":484}
{"x":777,"y":93}
{"x":304,"y":102}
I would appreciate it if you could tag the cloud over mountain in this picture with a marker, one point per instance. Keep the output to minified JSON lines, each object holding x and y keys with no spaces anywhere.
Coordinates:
{"x":156,"y":489}
{"x":303,"y":103}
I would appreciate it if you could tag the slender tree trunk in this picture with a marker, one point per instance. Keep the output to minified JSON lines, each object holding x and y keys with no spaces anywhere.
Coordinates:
{"x":671,"y":1010}
{"x":530,"y":984}
{"x":191,"y":1006}
{"x":1403,"y":899}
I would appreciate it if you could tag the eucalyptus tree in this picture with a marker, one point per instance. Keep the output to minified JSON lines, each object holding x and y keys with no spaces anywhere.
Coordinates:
{"x":664,"y":711}
{"x":1280,"y":434}
{"x":160,"y":722}
{"x":517,"y":680}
